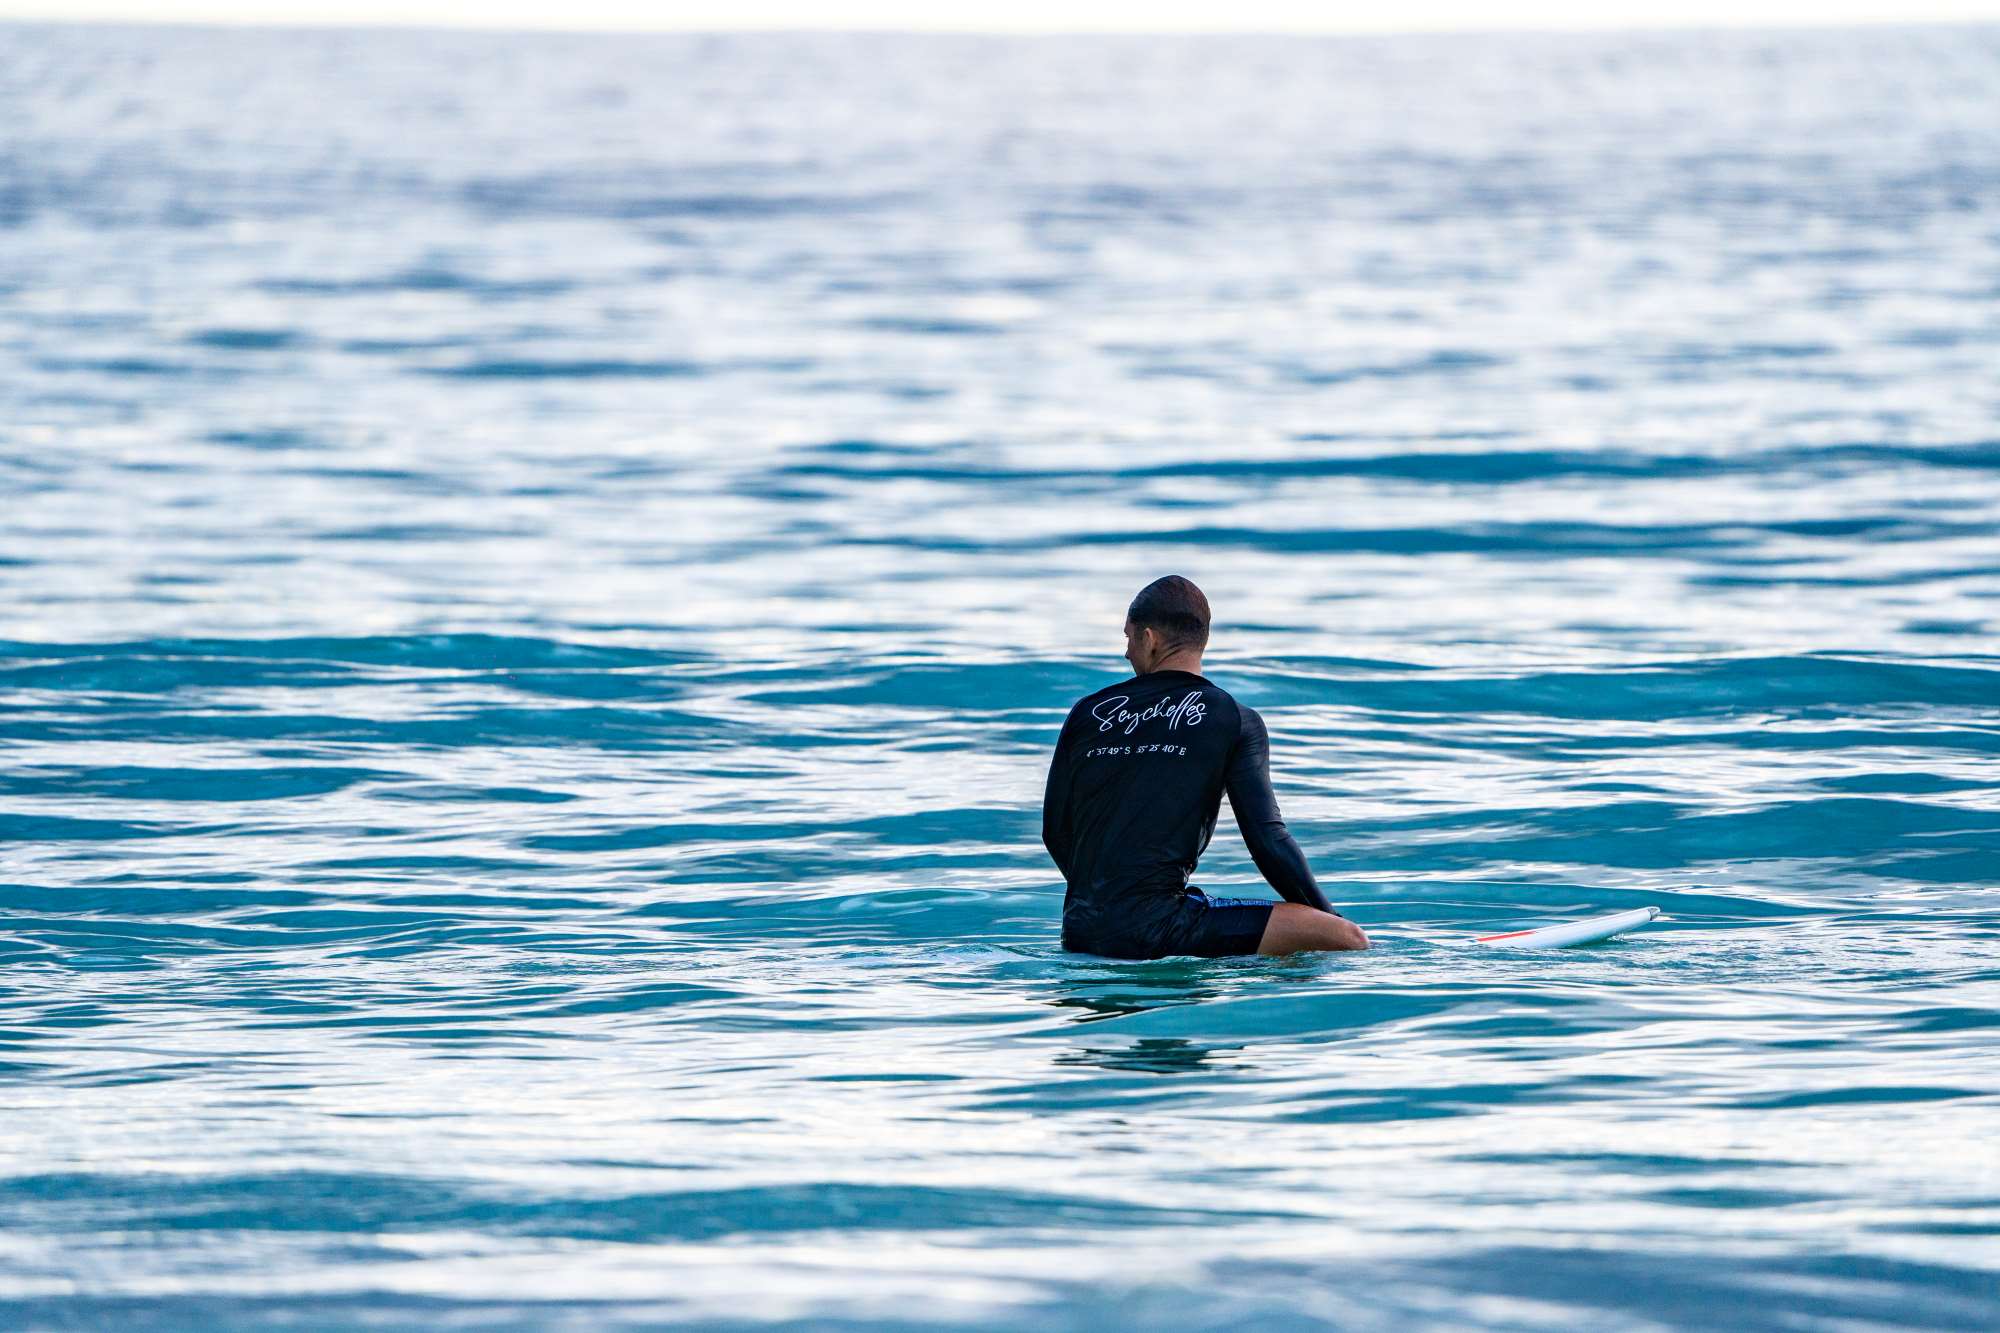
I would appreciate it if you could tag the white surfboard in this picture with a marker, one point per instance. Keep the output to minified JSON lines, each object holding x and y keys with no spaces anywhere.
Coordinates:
{"x":1587,"y":931}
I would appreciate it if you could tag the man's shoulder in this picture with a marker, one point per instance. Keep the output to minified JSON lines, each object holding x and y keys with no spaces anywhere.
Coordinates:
{"x":1131,"y":685}
{"x":1136,"y":694}
{"x":1083,"y":707}
{"x":1226,"y":705}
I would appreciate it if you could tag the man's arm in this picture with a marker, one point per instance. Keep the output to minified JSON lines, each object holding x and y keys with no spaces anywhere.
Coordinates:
{"x":1248,"y":781}
{"x":1055,"y":803}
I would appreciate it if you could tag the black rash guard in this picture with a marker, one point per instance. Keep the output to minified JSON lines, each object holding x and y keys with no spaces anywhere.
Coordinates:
{"x":1132,"y":798}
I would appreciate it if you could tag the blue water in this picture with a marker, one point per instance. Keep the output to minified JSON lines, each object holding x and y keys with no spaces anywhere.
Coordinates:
{"x":539,"y":575}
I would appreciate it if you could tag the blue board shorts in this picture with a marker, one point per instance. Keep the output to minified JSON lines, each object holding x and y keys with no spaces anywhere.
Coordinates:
{"x":1192,"y":926}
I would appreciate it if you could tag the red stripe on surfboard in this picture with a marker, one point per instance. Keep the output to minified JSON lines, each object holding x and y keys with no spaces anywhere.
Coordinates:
{"x":1509,"y":935}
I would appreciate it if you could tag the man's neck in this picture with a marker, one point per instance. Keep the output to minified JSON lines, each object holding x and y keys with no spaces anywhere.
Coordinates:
{"x":1188,"y":662}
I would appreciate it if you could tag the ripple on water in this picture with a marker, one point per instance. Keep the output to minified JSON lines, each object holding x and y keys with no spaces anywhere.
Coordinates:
{"x":543,"y":571}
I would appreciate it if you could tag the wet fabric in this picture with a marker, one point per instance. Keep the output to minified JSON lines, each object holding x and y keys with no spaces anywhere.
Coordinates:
{"x":1134,"y":790}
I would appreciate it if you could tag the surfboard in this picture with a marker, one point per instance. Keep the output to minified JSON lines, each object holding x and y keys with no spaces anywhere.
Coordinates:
{"x":1588,"y":931}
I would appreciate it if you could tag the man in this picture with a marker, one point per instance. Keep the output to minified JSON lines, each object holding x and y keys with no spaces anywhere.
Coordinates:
{"x":1132,"y":796}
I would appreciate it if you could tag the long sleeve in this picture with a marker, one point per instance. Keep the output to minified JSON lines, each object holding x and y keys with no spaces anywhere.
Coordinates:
{"x":1055,"y":805}
{"x":1248,"y":781}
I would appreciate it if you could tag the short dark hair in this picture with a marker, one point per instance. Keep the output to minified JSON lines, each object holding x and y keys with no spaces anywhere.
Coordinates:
{"x":1174,"y":607}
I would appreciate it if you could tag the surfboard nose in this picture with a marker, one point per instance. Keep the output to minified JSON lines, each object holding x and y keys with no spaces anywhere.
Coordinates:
{"x":1566,"y":933}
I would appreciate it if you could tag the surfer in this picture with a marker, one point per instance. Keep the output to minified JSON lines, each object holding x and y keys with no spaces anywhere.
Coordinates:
{"x":1133,"y":792}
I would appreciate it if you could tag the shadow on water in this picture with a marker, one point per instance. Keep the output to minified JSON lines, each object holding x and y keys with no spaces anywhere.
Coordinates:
{"x":1147,"y":988}
{"x":1150,"y":1055}
{"x":1113,"y":989}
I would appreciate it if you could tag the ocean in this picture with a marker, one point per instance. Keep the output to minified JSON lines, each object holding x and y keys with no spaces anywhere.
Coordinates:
{"x":539,"y":576}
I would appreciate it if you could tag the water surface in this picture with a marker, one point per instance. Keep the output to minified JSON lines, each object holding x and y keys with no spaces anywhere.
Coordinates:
{"x":540,"y":575}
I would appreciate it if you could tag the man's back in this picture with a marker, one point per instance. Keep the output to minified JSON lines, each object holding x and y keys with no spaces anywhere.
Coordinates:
{"x":1134,"y":790}
{"x":1133,"y":793}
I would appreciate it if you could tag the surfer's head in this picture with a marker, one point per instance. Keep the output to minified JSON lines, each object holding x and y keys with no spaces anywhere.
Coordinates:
{"x":1168,"y":618}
